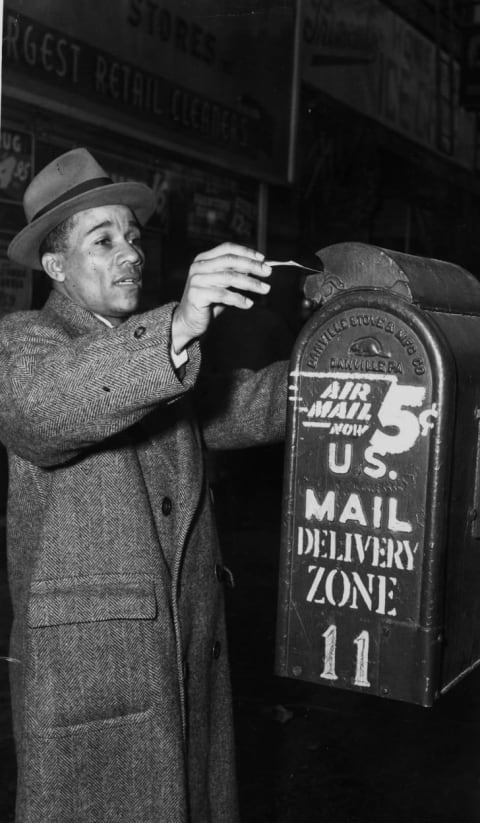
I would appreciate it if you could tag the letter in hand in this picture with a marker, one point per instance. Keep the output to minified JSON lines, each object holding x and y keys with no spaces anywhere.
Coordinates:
{"x":223,"y":276}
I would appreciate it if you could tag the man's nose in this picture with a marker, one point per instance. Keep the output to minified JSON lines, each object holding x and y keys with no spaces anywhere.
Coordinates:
{"x":132,"y":254}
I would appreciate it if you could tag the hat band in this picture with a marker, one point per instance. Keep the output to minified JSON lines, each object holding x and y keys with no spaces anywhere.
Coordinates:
{"x":94,"y":183}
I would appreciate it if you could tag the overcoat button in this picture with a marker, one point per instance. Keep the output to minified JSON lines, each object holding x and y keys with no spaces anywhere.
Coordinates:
{"x":217,"y":649}
{"x":224,"y":575}
{"x":166,"y":506}
{"x":228,"y":577}
{"x":139,"y":332}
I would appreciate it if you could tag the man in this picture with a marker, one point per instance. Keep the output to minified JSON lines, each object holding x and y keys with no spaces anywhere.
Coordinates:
{"x":120,"y":691}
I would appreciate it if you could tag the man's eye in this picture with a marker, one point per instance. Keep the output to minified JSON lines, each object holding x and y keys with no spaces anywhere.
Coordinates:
{"x":135,"y":241}
{"x":103,"y":241}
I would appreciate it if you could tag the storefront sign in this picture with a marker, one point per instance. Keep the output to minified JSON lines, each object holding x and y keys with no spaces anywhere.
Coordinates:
{"x":204,"y":78}
{"x":369,"y":58}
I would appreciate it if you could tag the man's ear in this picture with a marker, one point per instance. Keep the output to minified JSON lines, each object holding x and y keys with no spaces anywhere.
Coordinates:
{"x":53,"y":265}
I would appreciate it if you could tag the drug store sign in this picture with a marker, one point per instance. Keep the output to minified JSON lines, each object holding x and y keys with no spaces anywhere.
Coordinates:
{"x":362,"y":414}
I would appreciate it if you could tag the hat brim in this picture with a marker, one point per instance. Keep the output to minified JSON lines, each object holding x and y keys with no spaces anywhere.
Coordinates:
{"x":24,"y":248}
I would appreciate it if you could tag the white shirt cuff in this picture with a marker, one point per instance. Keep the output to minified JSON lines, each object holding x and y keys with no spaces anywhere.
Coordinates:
{"x":178,"y":360}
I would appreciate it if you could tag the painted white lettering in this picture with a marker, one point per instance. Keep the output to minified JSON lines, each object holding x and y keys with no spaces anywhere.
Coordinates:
{"x":372,"y":592}
{"x":311,"y":545}
{"x":330,"y":636}
{"x":347,"y":551}
{"x":391,"y":594}
{"x":377,"y":511}
{"x":360,"y":391}
{"x":10,"y":43}
{"x":353,"y":511}
{"x":352,"y":411}
{"x":400,"y":554}
{"x":29,"y":47}
{"x":46,"y":52}
{"x":375,"y":467}
{"x":361,"y":588}
{"x":362,"y":643}
{"x":114,"y":80}
{"x":378,"y":553}
{"x":333,"y":463}
{"x":319,"y":511}
{"x":364,"y":413}
{"x":383,"y":512}
{"x":75,"y":50}
{"x":344,"y":588}
{"x":339,"y":410}
{"x":318,"y":543}
{"x":346,"y":390}
{"x":410,"y":552}
{"x":100,"y":74}
{"x":332,"y":390}
{"x":320,"y":409}
{"x":394,"y":524}
{"x":362,"y":547}
{"x":137,"y":89}
{"x":61,"y":70}
{"x":319,"y":572}
{"x":347,"y":429}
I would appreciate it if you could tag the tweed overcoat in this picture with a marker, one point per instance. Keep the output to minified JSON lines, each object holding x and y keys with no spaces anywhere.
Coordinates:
{"x":120,"y":691}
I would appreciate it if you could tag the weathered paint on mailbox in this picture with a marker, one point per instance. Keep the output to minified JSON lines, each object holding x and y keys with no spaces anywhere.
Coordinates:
{"x":364,"y":531}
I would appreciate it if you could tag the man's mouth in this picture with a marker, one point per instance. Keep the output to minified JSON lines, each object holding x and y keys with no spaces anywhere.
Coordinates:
{"x":129,"y":281}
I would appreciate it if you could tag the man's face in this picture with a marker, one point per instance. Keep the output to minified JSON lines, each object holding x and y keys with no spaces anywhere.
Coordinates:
{"x":101,"y":269}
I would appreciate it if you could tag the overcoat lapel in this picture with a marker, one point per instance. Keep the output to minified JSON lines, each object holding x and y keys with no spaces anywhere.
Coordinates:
{"x":74,"y":318}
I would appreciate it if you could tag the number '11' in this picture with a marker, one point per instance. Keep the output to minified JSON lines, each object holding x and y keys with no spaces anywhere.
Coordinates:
{"x":362,"y":642}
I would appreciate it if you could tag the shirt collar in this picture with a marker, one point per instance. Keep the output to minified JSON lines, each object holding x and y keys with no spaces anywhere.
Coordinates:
{"x":103,"y":320}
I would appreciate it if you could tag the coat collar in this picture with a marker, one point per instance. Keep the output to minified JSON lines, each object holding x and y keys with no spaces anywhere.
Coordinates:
{"x":75,"y":318}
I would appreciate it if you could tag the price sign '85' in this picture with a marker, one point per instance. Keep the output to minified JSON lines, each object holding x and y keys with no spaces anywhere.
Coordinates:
{"x":13,"y":170}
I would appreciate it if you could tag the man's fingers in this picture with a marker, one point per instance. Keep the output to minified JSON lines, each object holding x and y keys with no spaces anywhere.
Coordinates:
{"x":226,"y":297}
{"x":228,"y":265}
{"x":225,"y":280}
{"x":225,"y":249}
{"x":228,"y":275}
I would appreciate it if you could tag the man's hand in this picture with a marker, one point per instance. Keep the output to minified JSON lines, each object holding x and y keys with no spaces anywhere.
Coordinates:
{"x":215,"y":280}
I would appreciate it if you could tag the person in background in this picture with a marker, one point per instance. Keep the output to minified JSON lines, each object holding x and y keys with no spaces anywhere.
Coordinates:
{"x":120,"y":681}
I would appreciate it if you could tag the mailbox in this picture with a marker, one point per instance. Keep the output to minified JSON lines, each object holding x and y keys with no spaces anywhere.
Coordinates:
{"x":380,"y":551}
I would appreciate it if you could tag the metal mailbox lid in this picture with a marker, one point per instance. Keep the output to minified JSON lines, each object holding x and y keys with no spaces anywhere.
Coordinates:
{"x":432,"y":284}
{"x":363,"y":531}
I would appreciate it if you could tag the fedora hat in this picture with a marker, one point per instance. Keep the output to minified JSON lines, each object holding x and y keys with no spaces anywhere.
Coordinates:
{"x":69,"y":184}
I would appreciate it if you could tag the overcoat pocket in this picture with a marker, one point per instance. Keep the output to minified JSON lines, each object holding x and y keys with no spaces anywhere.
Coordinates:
{"x":92,"y":650}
